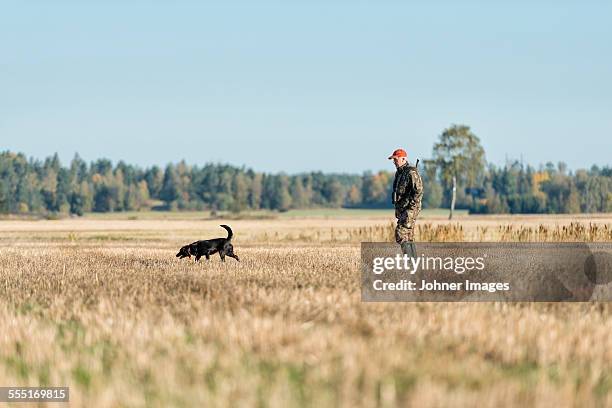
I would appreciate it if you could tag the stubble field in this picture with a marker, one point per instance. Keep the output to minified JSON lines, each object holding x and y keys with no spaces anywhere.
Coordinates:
{"x":102,"y":305}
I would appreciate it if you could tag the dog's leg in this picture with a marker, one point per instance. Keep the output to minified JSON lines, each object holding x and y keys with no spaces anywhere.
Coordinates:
{"x":207,"y":257}
{"x":222,"y":255}
{"x":197,"y":258}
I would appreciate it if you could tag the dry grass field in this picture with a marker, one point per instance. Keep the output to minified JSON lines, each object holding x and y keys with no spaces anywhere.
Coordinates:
{"x":103,"y":306}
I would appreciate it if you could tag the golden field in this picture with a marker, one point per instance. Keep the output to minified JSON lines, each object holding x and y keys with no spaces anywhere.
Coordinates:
{"x":101,"y":304}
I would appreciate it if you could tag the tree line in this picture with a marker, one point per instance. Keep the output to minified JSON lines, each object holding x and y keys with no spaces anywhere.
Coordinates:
{"x":458,"y":163}
{"x":30,"y":186}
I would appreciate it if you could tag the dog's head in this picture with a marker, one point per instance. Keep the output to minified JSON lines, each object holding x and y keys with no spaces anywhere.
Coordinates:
{"x":184,"y":252}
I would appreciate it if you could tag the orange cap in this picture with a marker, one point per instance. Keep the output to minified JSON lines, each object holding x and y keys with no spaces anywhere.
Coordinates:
{"x":398,"y":153}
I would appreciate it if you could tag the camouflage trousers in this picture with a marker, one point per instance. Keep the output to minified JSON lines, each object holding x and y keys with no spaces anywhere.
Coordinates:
{"x":404,"y":231}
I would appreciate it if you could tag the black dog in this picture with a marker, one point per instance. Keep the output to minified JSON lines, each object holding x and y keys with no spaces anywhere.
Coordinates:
{"x":208,"y":247}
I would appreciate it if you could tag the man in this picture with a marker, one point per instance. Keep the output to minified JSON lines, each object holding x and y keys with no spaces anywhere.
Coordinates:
{"x":406,"y":197}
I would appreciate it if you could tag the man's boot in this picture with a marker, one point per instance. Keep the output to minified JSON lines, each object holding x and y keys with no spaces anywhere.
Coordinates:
{"x":409,"y":249}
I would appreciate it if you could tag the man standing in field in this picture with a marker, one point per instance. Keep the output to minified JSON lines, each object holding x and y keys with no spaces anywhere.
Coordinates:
{"x":406,"y":197}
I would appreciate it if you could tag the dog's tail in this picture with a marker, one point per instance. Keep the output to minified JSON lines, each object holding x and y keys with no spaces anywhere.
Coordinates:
{"x":230,"y":234}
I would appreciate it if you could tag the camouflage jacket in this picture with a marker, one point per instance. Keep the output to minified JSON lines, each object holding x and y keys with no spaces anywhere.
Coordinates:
{"x":407,"y":188}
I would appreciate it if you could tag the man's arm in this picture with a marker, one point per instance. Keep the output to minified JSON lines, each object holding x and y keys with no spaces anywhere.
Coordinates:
{"x":403,"y":192}
{"x":411,"y":189}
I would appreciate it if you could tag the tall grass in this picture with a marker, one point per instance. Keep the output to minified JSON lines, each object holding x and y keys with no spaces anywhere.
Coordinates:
{"x":452,"y":232}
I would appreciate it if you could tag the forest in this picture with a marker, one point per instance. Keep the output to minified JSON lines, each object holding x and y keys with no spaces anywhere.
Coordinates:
{"x":34,"y":186}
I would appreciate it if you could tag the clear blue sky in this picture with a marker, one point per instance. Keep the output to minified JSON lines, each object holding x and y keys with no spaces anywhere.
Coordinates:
{"x":305,"y":85}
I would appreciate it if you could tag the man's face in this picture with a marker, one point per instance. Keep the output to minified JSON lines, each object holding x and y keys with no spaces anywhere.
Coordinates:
{"x":399,"y":161}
